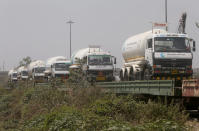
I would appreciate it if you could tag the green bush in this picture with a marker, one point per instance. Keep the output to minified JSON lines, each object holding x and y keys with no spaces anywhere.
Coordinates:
{"x":126,"y":108}
{"x":48,"y":108}
{"x":67,"y":118}
{"x":153,"y":111}
{"x":161,"y":125}
{"x":41,"y":100}
{"x":113,"y":106}
{"x":83,"y":97}
{"x":70,"y":119}
{"x":5,"y":108}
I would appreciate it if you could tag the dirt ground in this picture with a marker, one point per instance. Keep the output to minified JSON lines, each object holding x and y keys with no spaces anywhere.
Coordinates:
{"x":194,"y":124}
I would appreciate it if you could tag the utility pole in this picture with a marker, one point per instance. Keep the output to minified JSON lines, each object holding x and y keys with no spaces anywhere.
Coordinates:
{"x":70,"y":22}
{"x":3,"y":65}
{"x":166,"y":15}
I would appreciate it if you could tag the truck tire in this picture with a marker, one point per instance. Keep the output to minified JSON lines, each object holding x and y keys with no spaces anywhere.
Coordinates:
{"x":121,"y":76}
{"x":138,"y":76}
{"x":131,"y":75}
{"x":126,"y":77}
{"x":147,"y":75}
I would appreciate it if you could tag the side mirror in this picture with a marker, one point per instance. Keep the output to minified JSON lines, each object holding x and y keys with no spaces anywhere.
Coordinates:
{"x":115,"y":60}
{"x":194,"y":46}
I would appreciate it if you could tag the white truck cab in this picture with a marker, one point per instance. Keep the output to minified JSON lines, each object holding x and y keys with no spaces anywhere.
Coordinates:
{"x":98,"y":65}
{"x":12,"y":75}
{"x":157,"y":54}
{"x":57,"y":67}
{"x":36,"y":71}
{"x":22,"y":73}
{"x":60,"y":69}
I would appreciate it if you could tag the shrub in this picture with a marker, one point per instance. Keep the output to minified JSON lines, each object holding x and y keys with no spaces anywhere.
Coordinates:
{"x":69,"y":118}
{"x":47,"y":108}
{"x":161,"y":125}
{"x":125,"y":107}
{"x":83,"y":97}
{"x":5,"y":108}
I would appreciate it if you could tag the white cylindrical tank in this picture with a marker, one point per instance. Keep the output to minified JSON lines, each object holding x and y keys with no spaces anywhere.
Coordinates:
{"x":52,"y":60}
{"x":84,"y":52}
{"x":22,"y":68}
{"x":10,"y":72}
{"x":37,"y":63}
{"x":134,"y":47}
{"x":57,"y":66}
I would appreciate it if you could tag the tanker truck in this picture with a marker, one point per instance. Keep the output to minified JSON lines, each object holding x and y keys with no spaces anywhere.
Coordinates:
{"x":12,"y":75}
{"x":22,"y":73}
{"x":157,"y":54}
{"x":98,"y":65}
{"x":57,"y":67}
{"x":36,"y":71}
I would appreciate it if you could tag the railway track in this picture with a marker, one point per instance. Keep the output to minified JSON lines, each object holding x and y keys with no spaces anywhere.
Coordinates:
{"x":190,"y":89}
{"x":188,"y":94}
{"x":149,"y":87}
{"x":193,"y":113}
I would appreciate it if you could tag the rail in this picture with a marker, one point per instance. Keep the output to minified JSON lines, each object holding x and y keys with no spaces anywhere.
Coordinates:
{"x":150,"y":87}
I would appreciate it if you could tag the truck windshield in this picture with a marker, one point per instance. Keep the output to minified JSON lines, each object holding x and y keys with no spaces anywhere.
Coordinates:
{"x":62,"y":66}
{"x":14,"y":75}
{"x":170,"y":44}
{"x":99,"y":60}
{"x":24,"y":73}
{"x":39,"y":70}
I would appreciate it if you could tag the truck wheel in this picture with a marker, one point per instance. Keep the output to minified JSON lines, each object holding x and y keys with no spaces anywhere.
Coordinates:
{"x":126,"y":77}
{"x":121,"y":76}
{"x":146,"y":74}
{"x":113,"y":78}
{"x":138,"y":76}
{"x":131,"y":75}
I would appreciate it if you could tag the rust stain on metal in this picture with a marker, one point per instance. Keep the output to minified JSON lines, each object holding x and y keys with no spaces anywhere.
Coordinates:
{"x":190,"y":88}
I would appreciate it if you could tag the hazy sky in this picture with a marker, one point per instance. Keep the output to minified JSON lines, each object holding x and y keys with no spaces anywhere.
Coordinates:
{"x":37,"y":28}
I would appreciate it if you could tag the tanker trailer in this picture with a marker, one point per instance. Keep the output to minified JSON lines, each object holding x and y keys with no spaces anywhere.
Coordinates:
{"x":12,"y":75}
{"x":36,"y":71}
{"x":97,"y":64}
{"x":157,"y":54}
{"x":57,"y":67}
{"x":22,"y":73}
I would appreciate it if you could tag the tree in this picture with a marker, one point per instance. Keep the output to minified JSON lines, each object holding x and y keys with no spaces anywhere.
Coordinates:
{"x":197,"y":24}
{"x":25,"y":61}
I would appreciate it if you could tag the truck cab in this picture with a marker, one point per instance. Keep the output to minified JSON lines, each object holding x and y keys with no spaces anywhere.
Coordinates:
{"x":13,"y":76}
{"x":169,"y":56}
{"x":38,"y":73}
{"x":96,"y":64}
{"x":99,"y":66}
{"x":23,"y":75}
{"x":157,"y":55}
{"x":60,"y":69}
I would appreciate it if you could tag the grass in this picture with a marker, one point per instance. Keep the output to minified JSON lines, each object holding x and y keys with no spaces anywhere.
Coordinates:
{"x":46,"y":108}
{"x":83,"y":108}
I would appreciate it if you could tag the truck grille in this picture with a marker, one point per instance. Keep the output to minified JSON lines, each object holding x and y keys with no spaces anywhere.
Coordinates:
{"x":61,"y":75}
{"x":173,"y":63}
{"x":100,"y":72}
